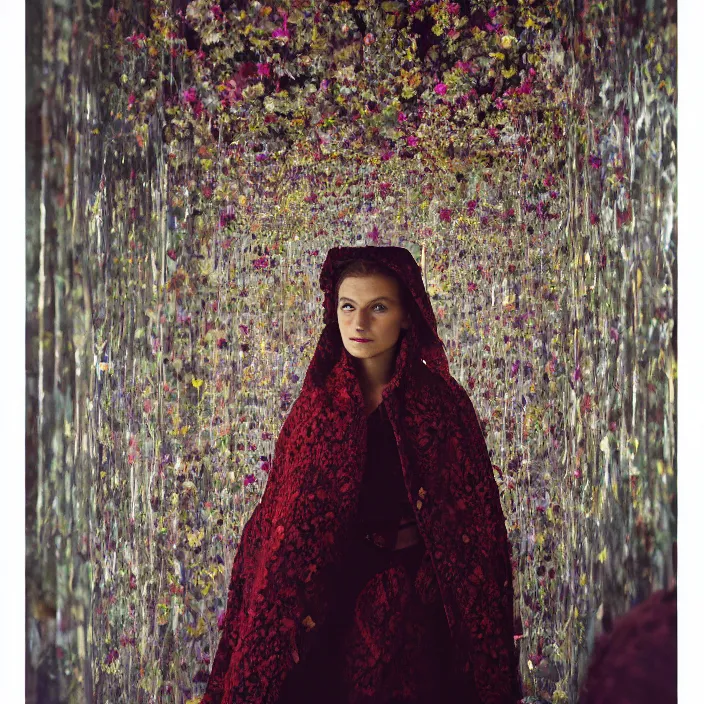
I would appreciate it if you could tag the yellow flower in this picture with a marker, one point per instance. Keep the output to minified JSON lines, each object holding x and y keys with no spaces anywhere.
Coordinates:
{"x":506,"y":41}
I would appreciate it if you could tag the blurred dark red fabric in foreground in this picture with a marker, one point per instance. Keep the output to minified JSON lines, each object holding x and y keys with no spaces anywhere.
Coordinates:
{"x":636,"y":662}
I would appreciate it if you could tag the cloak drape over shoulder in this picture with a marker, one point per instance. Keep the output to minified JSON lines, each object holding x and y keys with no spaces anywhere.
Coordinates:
{"x":279,"y":592}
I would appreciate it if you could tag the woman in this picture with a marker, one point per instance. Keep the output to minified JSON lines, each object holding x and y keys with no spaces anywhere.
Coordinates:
{"x":376,"y":568}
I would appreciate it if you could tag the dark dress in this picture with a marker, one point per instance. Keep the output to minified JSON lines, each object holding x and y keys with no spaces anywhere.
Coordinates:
{"x":387,"y":640}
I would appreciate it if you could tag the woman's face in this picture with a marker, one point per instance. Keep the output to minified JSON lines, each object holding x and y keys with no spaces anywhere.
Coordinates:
{"x":370,"y":307}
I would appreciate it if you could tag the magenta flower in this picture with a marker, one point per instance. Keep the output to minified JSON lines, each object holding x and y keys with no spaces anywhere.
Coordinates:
{"x":626,"y":121}
{"x":594,"y":161}
{"x":249,"y":479}
{"x":412,"y":140}
{"x":441,"y":89}
{"x":402,"y":117}
{"x":189,"y":95}
{"x":525,"y":88}
{"x":446,"y":214}
{"x":134,"y":39}
{"x":500,"y":105}
{"x":282,"y":32}
{"x":263,"y":70}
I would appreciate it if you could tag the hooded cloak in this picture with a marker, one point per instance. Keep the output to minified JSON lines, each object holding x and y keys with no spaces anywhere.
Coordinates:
{"x":279,"y":593}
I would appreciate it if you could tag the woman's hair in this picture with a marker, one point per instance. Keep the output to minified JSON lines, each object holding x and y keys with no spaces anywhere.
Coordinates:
{"x":360,"y":267}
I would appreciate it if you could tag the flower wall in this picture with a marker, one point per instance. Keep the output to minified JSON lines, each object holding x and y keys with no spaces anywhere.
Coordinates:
{"x":191,"y":164}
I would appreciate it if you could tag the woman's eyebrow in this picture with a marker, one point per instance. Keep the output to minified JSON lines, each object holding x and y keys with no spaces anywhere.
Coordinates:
{"x":381,"y":298}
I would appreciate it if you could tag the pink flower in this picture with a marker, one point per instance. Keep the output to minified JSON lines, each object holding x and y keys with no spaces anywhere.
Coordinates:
{"x":412,"y":140}
{"x":134,"y":39}
{"x":525,"y":88}
{"x":500,"y":105}
{"x":441,"y":89}
{"x":368,"y":39}
{"x":282,"y":32}
{"x":402,"y":117}
{"x":217,"y":12}
{"x":263,"y":70}
{"x":594,"y":161}
{"x":189,"y":95}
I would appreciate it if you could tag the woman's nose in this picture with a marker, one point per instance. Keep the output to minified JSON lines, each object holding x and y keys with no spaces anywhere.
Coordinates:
{"x":361,"y":321}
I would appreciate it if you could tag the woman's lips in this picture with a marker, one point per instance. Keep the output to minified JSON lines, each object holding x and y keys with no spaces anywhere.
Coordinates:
{"x":358,"y":339}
